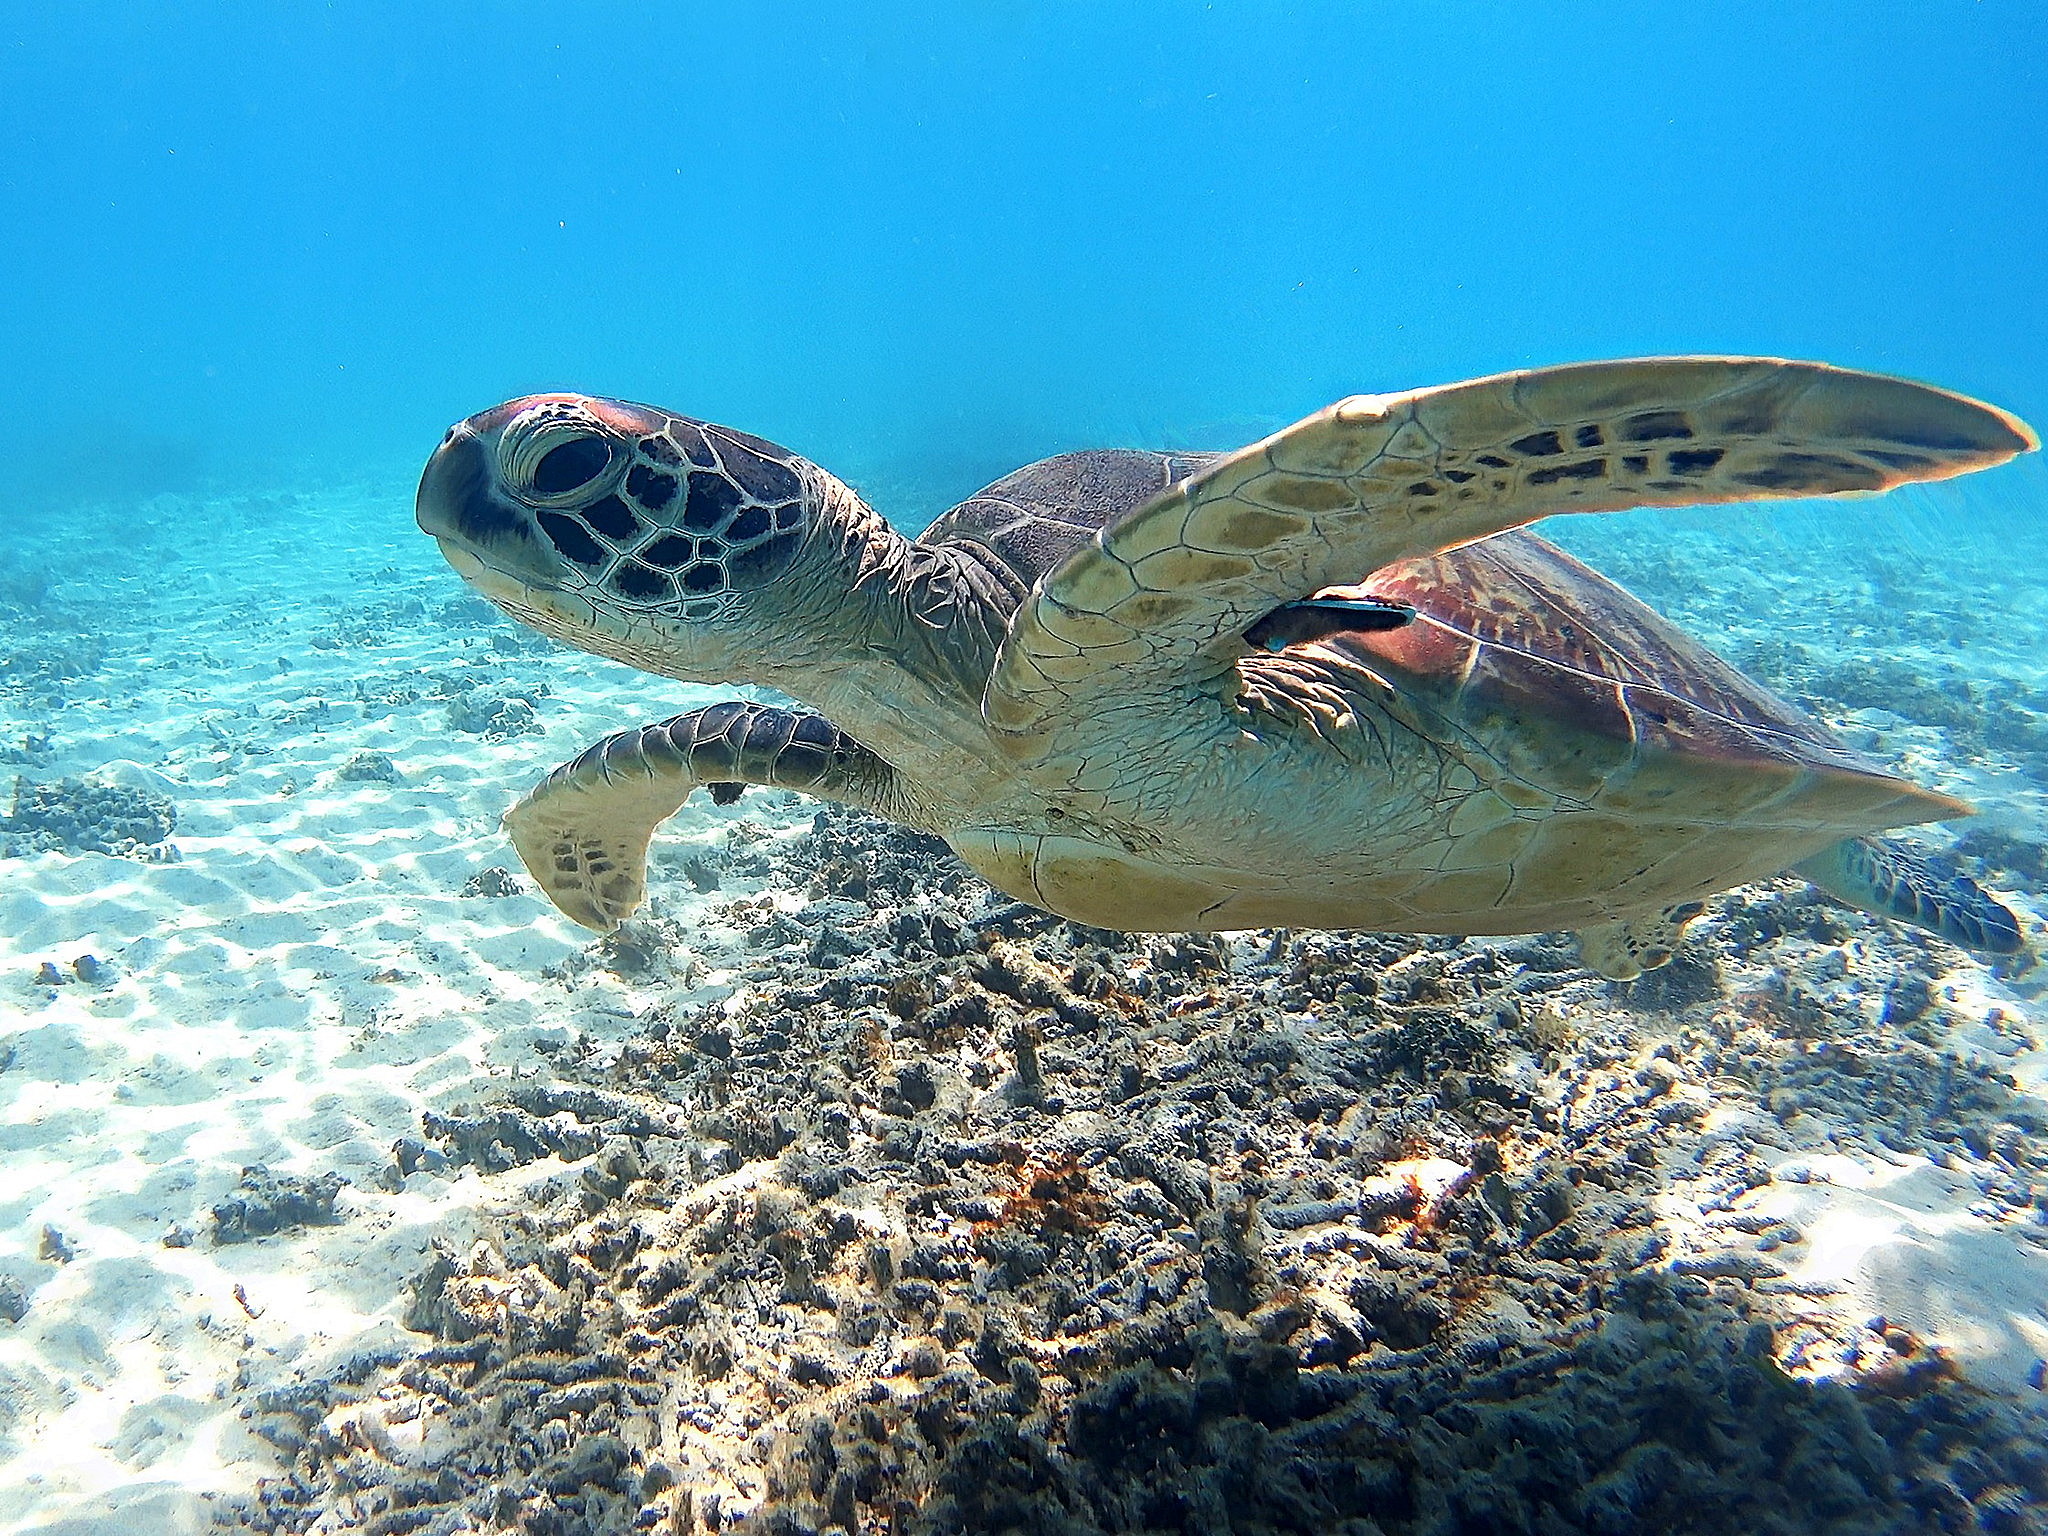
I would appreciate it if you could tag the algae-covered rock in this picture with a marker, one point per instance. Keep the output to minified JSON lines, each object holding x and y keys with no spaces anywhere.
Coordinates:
{"x":493,"y":716}
{"x":986,"y":1222}
{"x":369,"y":768}
{"x":266,"y":1202}
{"x":74,"y":816}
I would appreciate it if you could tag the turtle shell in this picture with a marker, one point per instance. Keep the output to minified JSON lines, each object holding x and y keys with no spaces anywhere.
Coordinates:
{"x":1513,"y":627}
{"x":1509,"y":628}
{"x":1033,"y":518}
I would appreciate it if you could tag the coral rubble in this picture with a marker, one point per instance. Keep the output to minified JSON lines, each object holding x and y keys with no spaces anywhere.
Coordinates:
{"x":960,"y":1218}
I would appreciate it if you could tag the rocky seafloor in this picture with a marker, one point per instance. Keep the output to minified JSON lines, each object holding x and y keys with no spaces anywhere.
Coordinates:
{"x":942,"y":1215}
{"x":957,"y":1217}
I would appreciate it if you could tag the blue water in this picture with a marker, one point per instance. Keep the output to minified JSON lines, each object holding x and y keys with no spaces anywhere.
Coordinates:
{"x":245,"y":243}
{"x":256,"y":257}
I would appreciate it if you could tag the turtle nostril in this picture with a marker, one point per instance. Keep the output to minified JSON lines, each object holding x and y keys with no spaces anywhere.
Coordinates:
{"x":567,"y":465}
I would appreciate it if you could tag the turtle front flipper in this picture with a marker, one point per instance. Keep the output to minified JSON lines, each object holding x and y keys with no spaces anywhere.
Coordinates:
{"x":1165,"y":594}
{"x":1887,"y":879}
{"x":583,"y":831}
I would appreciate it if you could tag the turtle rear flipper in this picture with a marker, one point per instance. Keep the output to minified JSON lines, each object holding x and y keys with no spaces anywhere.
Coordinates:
{"x":1165,"y":593}
{"x":1888,"y":879}
{"x":1623,"y":950}
{"x":583,"y":831}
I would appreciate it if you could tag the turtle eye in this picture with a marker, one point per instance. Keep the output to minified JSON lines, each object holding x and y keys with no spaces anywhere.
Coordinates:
{"x":571,"y":465}
{"x":557,"y":454}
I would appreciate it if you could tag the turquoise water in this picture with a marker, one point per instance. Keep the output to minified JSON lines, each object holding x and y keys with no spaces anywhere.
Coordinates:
{"x":242,"y":240}
{"x":1049,"y":1229}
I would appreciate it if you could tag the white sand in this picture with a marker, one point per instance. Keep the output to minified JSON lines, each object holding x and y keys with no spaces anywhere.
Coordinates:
{"x":308,"y":979}
{"x":1918,"y":1244}
{"x":1888,"y":1236}
{"x":292,"y":992}
{"x":1879,"y":1241}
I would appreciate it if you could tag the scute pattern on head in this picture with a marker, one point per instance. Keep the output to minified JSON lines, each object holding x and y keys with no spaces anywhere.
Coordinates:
{"x":698,"y":514}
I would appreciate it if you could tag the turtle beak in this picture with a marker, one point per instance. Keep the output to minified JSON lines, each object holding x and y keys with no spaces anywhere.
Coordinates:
{"x":487,"y":538}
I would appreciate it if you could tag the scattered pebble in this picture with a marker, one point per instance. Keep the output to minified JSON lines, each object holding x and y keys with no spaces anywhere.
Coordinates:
{"x":265,"y":1203}
{"x":493,"y":882}
{"x":369,"y":768}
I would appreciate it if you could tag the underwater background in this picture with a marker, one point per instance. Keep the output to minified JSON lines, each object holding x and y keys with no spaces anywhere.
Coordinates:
{"x":344,"y":1185}
{"x":250,"y":241}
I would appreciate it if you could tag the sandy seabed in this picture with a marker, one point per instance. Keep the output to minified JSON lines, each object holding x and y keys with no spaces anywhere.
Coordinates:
{"x":348,"y":1186}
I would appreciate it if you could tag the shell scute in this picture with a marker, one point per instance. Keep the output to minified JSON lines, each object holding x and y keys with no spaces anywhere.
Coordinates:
{"x":1085,"y":629}
{"x":1286,"y":492}
{"x":1231,"y":524}
{"x":1095,"y":586}
{"x":1173,"y":570}
{"x":1132,"y":540}
{"x":1513,"y":626}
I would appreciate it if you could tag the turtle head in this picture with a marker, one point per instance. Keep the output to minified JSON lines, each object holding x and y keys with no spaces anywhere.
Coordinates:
{"x":622,"y":529}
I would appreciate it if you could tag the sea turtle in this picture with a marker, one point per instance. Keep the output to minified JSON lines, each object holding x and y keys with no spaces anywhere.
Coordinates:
{"x":1319,"y":681}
